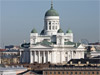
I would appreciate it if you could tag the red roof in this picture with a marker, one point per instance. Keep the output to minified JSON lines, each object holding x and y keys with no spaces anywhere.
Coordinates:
{"x":2,"y":50}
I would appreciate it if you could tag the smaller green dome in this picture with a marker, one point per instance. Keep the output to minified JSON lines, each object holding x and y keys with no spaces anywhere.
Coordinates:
{"x":60,"y":31}
{"x":69,"y":31}
{"x":34,"y":31}
{"x":42,"y":32}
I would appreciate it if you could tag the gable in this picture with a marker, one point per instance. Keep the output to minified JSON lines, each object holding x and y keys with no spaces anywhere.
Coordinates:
{"x":80,"y":46}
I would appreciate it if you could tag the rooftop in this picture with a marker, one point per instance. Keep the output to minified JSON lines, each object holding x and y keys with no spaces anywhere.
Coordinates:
{"x":83,"y":61}
{"x":74,"y":68}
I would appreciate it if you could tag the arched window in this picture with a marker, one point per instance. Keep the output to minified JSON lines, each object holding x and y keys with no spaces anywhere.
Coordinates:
{"x":56,"y":27}
{"x":53,"y":27}
{"x":49,"y":27}
{"x":49,"y":22}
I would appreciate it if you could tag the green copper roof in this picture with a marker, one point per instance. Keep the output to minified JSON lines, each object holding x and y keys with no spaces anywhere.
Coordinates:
{"x":51,"y":11}
{"x":69,"y":31}
{"x":45,"y":42}
{"x":72,"y":43}
{"x":69,"y":43}
{"x":42,"y":32}
{"x":34,"y":31}
{"x":60,"y":31}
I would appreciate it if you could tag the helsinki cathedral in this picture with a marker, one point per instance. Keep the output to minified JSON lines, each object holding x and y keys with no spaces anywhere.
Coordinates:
{"x":52,"y":44}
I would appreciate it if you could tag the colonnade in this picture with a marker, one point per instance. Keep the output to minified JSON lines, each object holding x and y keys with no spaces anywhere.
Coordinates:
{"x":41,"y":56}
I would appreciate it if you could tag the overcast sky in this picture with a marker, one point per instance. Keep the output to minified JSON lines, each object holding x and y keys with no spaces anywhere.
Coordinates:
{"x":19,"y":17}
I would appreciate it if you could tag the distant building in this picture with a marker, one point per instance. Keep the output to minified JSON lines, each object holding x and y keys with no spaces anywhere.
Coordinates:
{"x":72,"y":70}
{"x":11,"y":70}
{"x":96,"y":43}
{"x":12,"y":47}
{"x":10,"y":57}
{"x":51,"y":45}
{"x":94,"y":54}
{"x":92,"y":51}
{"x":9,"y":47}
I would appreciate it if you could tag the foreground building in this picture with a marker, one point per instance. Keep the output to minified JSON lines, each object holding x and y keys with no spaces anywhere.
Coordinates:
{"x":65,"y":70}
{"x":51,"y":45}
{"x":72,"y":71}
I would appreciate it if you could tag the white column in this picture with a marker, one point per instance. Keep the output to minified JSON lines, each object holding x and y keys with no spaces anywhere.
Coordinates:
{"x":35,"y":56}
{"x":60,"y":56}
{"x":48,"y":56}
{"x":51,"y":57}
{"x":20,"y":56}
{"x":31,"y":57}
{"x":44,"y":57}
{"x":38,"y":56}
{"x":20,"y":53}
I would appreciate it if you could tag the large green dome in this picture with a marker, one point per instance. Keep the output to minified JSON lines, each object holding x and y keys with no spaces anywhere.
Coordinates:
{"x":51,"y":12}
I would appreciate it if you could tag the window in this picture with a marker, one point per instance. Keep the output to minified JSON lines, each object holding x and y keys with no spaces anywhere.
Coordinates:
{"x":58,"y":72}
{"x":66,"y":72}
{"x":71,"y":72}
{"x":65,"y":39}
{"x":92,"y":72}
{"x":56,"y":27}
{"x":97,"y":72}
{"x":52,"y":27}
{"x":49,"y":27}
{"x":75,"y":72}
{"x":45,"y":72}
{"x":50,"y":72}
{"x":74,"y":52}
{"x":54,"y":72}
{"x":79,"y":72}
{"x":49,"y":22}
{"x":62,"y":72}
{"x":88,"y":72}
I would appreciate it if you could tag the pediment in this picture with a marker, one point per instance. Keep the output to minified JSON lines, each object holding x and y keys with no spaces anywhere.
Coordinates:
{"x":80,"y":46}
{"x":41,"y":46}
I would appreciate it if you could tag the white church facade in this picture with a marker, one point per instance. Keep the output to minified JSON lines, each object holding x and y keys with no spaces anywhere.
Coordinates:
{"x":52,"y":44}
